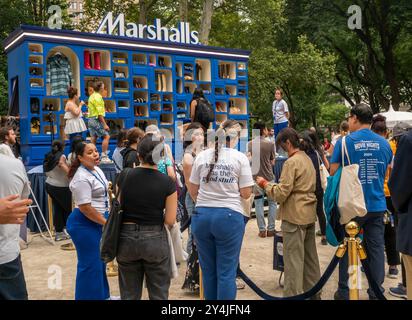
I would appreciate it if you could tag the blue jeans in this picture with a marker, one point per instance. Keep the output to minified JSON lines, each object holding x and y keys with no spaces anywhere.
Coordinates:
{"x":190,"y":207}
{"x":260,"y":214}
{"x":278,"y":127}
{"x":91,"y":280}
{"x":373,"y":238}
{"x":218,"y":233}
{"x":12,"y":282}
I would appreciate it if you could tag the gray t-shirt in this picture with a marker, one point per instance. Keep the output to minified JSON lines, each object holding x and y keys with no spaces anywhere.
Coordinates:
{"x":279,"y":109}
{"x":263,"y":153}
{"x":13,"y":180}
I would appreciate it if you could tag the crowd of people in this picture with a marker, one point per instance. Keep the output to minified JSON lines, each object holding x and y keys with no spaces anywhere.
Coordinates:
{"x":214,"y":190}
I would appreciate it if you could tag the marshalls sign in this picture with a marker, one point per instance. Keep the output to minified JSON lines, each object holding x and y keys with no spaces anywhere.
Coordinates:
{"x":181,"y":34}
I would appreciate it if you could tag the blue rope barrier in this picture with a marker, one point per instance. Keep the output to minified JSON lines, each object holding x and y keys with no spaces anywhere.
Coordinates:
{"x":322,"y":281}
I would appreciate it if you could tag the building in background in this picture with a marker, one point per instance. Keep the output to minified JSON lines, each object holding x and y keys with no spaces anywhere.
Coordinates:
{"x":75,"y":11}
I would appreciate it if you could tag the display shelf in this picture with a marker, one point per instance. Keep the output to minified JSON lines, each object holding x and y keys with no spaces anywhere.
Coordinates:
{"x":110,"y":106}
{"x":35,"y":105}
{"x":36,"y":71}
{"x":241,"y":66}
{"x":179,"y":86}
{"x":241,"y":73}
{"x":167,"y":107}
{"x":139,"y":59}
{"x":203,"y":70}
{"x":35,"y":48}
{"x":119,"y":58}
{"x":241,"y":91}
{"x":97,"y":60}
{"x":163,"y":80}
{"x":166,"y":119}
{"x":155,"y":97}
{"x":121,"y":87}
{"x":206,"y":87}
{"x":141,"y":111}
{"x":167,"y":97}
{"x":181,"y":106}
{"x":237,"y":106}
{"x":36,"y":60}
{"x":181,"y":115}
{"x":155,"y":107}
{"x":242,"y":83}
{"x":123,"y":104}
{"x":140,"y":96}
{"x":120,"y":72}
{"x":152,"y":60}
{"x":227,"y":70}
{"x":221,"y":106}
{"x":51,"y":104}
{"x":179,"y":69}
{"x":39,"y":83}
{"x":47,"y":129}
{"x":230,"y":90}
{"x":35,"y":126}
{"x":164,"y":61}
{"x":219,"y":91}
{"x":140,"y":82}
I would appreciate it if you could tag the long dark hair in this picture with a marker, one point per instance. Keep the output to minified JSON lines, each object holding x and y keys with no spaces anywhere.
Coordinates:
{"x":197,"y":94}
{"x":146,"y":148}
{"x":79,"y":151}
{"x":221,"y":132}
{"x":189,"y":132}
{"x":53,"y":157}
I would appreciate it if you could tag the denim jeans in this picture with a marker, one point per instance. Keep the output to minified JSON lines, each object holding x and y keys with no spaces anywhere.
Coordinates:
{"x":144,"y":252}
{"x":260,"y":214}
{"x":373,"y":238}
{"x":12,"y":282}
{"x":190,"y":206}
{"x":218,"y":233}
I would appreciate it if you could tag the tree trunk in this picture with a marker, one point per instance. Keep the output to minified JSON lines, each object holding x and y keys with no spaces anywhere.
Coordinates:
{"x":183,"y":10}
{"x":142,"y":11}
{"x":206,"y":23}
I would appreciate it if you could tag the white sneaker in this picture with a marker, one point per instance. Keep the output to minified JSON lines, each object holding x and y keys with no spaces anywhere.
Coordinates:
{"x":105,"y":160}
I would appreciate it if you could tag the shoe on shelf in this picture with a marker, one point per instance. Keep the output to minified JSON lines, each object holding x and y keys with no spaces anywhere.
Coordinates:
{"x":61,"y":236}
{"x":393,"y":272}
{"x":271,"y":233}
{"x":324,"y":242}
{"x":262,"y":234}
{"x":399,"y":291}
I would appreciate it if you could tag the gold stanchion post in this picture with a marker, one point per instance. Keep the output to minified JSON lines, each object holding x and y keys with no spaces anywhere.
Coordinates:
{"x":352,"y":229}
{"x":201,"y":289}
{"x":111,"y":268}
{"x":50,"y":208}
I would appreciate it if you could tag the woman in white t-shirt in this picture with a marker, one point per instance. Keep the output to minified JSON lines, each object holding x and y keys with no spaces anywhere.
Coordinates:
{"x":89,"y":187}
{"x":220,"y":178}
{"x":280,"y":112}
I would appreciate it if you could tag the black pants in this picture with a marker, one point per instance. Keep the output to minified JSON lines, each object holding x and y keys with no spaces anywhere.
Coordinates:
{"x":12,"y":282}
{"x":143,"y":252}
{"x":62,"y":205}
{"x":392,"y":255}
{"x":321,"y":213}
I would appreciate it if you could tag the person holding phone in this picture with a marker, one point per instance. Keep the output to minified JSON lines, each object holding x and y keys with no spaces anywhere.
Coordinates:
{"x":75,"y":125}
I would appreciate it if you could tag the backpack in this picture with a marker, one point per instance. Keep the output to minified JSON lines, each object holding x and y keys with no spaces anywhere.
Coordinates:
{"x":204,"y":112}
{"x":182,"y":214}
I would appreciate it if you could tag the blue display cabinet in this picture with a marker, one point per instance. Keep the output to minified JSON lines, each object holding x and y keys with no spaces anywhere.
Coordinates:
{"x":147,"y":82}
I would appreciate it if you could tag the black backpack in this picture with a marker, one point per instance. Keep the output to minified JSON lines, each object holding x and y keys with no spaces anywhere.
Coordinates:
{"x":204,"y":112}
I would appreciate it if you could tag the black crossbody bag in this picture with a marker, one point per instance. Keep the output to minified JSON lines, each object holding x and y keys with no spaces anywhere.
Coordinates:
{"x":111,"y":230}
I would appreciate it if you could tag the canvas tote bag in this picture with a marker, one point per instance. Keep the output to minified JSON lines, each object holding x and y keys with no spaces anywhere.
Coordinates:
{"x":324,"y":174}
{"x":351,"y":202}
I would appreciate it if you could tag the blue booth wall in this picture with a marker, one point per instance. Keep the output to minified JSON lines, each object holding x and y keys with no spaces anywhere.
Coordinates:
{"x":123,"y":109}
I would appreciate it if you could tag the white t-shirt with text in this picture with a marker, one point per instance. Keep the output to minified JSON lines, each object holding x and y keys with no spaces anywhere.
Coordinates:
{"x":231,"y":172}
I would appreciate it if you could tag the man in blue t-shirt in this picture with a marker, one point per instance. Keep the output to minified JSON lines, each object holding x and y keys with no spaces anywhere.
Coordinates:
{"x":373,"y":155}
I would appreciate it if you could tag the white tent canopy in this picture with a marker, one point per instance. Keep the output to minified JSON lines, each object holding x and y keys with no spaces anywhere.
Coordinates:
{"x":393,"y":117}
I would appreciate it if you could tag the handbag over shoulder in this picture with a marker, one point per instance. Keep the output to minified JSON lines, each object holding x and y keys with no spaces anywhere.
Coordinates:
{"x":351,"y":202}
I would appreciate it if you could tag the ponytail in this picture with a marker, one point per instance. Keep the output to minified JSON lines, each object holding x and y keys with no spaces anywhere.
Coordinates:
{"x":222,"y":132}
{"x":79,"y":151}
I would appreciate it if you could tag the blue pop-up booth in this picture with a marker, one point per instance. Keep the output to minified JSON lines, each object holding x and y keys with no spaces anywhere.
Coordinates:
{"x":147,"y":82}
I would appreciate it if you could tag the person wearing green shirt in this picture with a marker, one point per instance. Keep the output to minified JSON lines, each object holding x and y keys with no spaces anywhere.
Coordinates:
{"x":97,"y":125}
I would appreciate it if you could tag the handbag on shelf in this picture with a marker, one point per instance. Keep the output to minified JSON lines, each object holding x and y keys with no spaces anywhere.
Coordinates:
{"x":351,"y":202}
{"x":111,"y":230}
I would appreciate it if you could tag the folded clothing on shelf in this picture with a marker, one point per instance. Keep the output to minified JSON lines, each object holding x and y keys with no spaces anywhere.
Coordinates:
{"x":119,"y":60}
{"x":188,"y":67}
{"x":119,"y":75}
{"x":121,"y":90}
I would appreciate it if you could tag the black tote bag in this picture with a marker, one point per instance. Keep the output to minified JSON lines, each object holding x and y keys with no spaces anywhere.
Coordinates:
{"x":111,"y":230}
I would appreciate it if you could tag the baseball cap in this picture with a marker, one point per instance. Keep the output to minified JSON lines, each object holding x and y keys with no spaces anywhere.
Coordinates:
{"x":401,"y":128}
